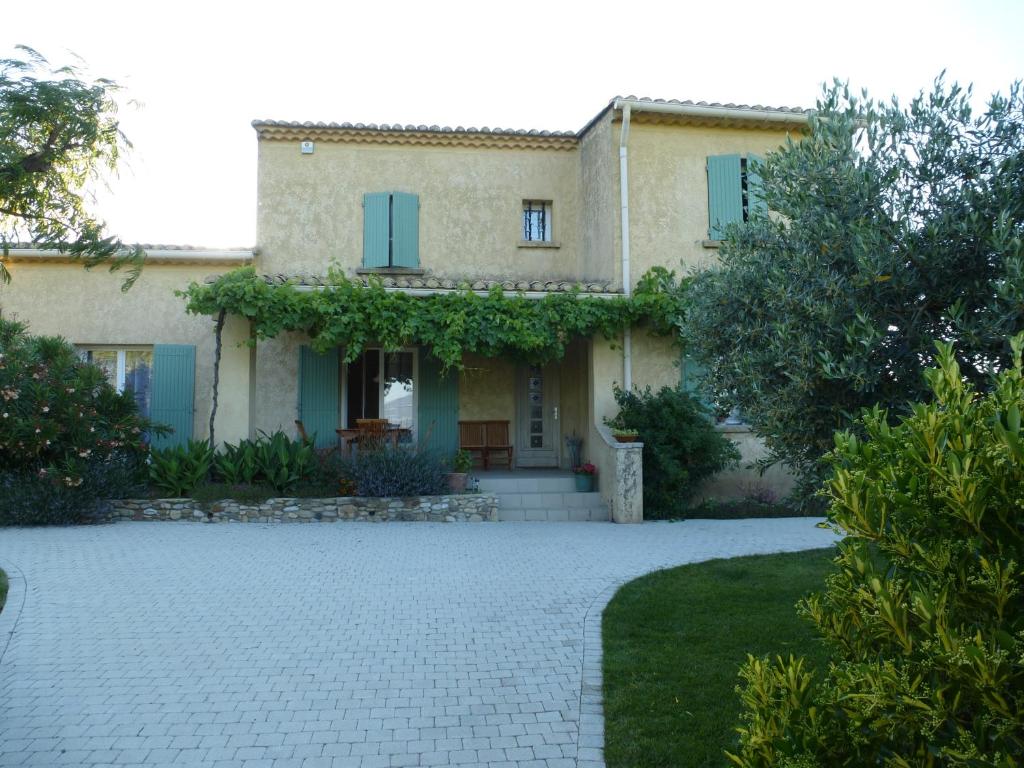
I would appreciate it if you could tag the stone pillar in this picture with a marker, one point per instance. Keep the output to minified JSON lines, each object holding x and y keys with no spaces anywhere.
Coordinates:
{"x":619,"y":465}
{"x":627,"y":502}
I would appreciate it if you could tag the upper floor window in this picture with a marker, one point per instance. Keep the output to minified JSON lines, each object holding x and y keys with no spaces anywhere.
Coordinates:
{"x":391,"y":230}
{"x":734,"y":192}
{"x":537,"y":221}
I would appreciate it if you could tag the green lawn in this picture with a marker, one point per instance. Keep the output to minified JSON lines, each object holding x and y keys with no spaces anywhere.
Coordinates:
{"x":674,"y":641}
{"x":3,"y":589}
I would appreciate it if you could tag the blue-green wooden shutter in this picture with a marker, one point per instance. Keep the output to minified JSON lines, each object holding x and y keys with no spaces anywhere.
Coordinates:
{"x":318,"y":394}
{"x":691,"y":380}
{"x":172,"y":398}
{"x":725,"y":194}
{"x":405,"y":230}
{"x":376,"y":229}
{"x":438,"y":409}
{"x":755,"y":191}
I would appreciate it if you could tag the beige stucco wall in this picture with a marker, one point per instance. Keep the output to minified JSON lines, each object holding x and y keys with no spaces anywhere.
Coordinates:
{"x":310,"y":206}
{"x":573,"y":408}
{"x":604,"y":361}
{"x":668,"y":190}
{"x":599,"y":191}
{"x":487,"y":389}
{"x":89,"y":308}
{"x":655,"y":361}
{"x":276,"y":397}
{"x":745,"y":480}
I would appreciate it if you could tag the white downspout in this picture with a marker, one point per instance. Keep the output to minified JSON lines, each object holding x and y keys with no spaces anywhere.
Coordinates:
{"x":627,"y":283}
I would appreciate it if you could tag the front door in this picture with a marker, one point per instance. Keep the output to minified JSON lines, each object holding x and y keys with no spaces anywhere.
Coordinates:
{"x":537,"y":433}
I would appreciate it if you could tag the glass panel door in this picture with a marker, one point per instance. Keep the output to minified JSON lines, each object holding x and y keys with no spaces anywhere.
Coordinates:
{"x":538,"y":429}
{"x":397,"y":395}
{"x":381,"y":385}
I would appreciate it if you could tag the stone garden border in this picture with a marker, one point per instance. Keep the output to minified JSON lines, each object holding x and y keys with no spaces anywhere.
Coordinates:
{"x":468,"y":508}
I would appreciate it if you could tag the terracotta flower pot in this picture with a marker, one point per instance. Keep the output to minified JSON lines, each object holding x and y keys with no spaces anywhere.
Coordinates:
{"x":626,"y":438}
{"x":457,"y":481}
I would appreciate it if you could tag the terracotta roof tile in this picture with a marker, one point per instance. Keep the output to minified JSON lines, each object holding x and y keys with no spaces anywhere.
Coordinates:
{"x":447,"y":284}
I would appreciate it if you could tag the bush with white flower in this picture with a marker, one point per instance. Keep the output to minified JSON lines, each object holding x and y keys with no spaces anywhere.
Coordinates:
{"x":68,"y":439}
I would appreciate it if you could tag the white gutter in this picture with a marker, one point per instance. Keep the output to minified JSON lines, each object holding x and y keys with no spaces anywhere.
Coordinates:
{"x":705,"y":111}
{"x":627,"y":283}
{"x":532,"y":295}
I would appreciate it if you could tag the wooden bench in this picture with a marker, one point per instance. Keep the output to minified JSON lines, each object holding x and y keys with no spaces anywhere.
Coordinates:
{"x":485,"y":438}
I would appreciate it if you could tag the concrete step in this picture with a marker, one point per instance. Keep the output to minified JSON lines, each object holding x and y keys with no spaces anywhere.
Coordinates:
{"x":557,"y":500}
{"x":563,"y":515}
{"x":569,"y":506}
{"x":557,"y":484}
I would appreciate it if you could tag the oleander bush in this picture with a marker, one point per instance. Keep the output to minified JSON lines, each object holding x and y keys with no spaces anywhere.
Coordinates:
{"x":682,"y":448}
{"x":924,"y":619}
{"x":68,"y":439}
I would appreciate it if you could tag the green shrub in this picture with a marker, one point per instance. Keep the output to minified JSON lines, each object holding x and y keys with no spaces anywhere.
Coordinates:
{"x":28,"y":498}
{"x":177,"y":470}
{"x":68,"y":439}
{"x":399,"y":472}
{"x":282,"y":462}
{"x":682,"y":448}
{"x":236,"y":464}
{"x":925,"y":617}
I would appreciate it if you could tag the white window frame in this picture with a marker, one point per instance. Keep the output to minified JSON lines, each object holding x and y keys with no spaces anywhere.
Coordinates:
{"x":122,"y":358}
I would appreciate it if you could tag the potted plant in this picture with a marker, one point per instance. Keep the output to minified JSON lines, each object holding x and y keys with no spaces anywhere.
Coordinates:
{"x":585,"y":474}
{"x":625,"y":435}
{"x":620,"y":431}
{"x":462,"y":462}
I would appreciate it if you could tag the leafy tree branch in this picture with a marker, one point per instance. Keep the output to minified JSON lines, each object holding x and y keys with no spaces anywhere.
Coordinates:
{"x":58,"y":133}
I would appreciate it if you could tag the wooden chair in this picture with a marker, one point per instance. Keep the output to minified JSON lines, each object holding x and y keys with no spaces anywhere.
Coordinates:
{"x":372,"y":433}
{"x":473,"y":438}
{"x":497,"y":442}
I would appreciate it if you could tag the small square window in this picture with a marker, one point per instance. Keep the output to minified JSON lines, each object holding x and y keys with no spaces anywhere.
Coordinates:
{"x":537,"y":221}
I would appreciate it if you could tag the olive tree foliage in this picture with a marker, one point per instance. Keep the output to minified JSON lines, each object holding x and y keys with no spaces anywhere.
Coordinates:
{"x":58,"y":134}
{"x":888,"y":227}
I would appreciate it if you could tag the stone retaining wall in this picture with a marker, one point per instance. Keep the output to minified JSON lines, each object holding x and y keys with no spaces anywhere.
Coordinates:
{"x":442,"y":509}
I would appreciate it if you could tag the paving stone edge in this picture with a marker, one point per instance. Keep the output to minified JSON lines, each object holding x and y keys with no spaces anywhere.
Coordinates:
{"x":12,"y":608}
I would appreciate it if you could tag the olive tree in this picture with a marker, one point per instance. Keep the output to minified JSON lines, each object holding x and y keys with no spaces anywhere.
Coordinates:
{"x":887,"y":227}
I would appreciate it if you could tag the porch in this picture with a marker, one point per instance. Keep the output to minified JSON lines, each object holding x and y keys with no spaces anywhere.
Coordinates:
{"x":533,"y":408}
{"x":276,"y":381}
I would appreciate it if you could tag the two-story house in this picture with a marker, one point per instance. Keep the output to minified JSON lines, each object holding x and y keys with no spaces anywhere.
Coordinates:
{"x":430,"y":210}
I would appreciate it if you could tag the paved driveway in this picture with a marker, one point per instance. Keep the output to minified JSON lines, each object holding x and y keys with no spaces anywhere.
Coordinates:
{"x":325,"y":645}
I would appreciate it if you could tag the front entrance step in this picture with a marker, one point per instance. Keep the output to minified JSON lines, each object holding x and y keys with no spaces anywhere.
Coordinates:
{"x":569,"y":515}
{"x":555,"y":484}
{"x":553,"y":507}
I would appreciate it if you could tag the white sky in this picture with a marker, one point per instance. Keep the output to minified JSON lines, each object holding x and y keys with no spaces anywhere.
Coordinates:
{"x":204,"y":71}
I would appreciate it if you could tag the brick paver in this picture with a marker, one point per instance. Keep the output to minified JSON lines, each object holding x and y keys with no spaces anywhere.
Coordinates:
{"x":362,"y":645}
